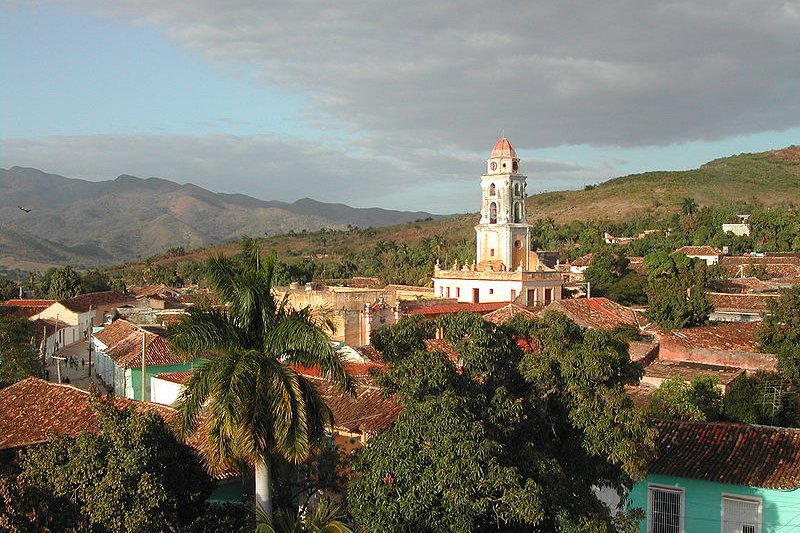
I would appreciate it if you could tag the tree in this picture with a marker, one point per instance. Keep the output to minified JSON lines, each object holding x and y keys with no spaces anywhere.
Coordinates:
{"x":256,"y":405}
{"x":132,"y":476}
{"x":675,"y":290}
{"x":689,"y":206}
{"x":494,"y":439}
{"x":779,"y":332}
{"x":95,"y":281}
{"x":699,"y":399}
{"x":761,"y":398}
{"x":607,"y":268}
{"x":18,"y":360}
{"x":60,"y":284}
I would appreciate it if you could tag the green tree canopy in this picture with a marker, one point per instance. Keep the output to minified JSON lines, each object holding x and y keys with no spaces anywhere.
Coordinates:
{"x":18,"y":359}
{"x":779,"y":332}
{"x":675,"y":290}
{"x":699,"y":399}
{"x":495,"y":439}
{"x":60,"y":284}
{"x":132,"y":476}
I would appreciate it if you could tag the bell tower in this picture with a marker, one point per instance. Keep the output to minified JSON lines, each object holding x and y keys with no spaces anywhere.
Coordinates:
{"x":503,"y":233}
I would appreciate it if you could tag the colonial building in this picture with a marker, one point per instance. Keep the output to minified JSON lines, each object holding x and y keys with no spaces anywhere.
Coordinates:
{"x":505,"y":270}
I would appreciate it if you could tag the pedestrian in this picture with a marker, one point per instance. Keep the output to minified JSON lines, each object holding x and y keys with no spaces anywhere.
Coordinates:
{"x":47,"y":374}
{"x":83,"y":362}
{"x":66,"y":380}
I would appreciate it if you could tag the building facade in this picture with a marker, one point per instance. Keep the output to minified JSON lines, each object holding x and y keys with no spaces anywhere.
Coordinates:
{"x":505,"y":270}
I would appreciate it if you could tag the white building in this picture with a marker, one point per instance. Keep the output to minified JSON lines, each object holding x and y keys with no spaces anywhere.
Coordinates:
{"x":505,"y":270}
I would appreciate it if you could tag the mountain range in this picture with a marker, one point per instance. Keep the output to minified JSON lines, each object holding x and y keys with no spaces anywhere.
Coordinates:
{"x":47,"y":219}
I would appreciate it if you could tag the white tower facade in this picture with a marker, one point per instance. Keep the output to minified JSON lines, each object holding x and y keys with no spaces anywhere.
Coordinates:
{"x":503,"y":233}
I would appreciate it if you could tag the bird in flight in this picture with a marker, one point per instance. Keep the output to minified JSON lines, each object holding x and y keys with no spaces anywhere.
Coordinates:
{"x":23,"y":209}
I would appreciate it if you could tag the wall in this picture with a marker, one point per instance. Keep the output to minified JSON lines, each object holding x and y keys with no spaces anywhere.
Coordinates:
{"x":163,"y":391}
{"x":673,"y":350}
{"x":133,"y":388}
{"x":780,"y":510}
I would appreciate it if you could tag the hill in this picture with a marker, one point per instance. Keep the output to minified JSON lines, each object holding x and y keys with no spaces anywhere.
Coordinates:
{"x":86,"y":223}
{"x":767,"y":179}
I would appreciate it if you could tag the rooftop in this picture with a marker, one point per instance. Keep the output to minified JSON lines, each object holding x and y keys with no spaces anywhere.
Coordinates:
{"x":509,"y":310}
{"x":596,"y":313}
{"x":503,"y":148}
{"x":739,"y":454}
{"x":745,"y":303}
{"x":732,"y":336}
{"x":698,"y":250}
{"x":32,"y":409}
{"x":444,"y":309}
{"x":84,"y":302}
{"x":663,"y":369}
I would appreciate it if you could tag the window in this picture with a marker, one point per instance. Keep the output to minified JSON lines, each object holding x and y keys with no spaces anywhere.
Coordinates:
{"x":493,"y":213}
{"x":664,"y":510}
{"x":447,"y":292}
{"x":458,"y":292}
{"x":491,"y":252}
{"x":493,"y":188}
{"x":741,"y":515}
{"x":491,"y":291}
{"x":513,"y":294}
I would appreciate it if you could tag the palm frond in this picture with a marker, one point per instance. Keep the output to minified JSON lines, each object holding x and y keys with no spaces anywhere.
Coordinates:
{"x":201,"y":331}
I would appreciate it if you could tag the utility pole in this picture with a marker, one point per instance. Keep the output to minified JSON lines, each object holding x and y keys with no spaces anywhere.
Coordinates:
{"x":144,"y":347}
{"x":58,"y":366}
{"x":91,"y":332}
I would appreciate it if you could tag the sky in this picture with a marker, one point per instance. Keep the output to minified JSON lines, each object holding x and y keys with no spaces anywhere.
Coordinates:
{"x":392,"y":104}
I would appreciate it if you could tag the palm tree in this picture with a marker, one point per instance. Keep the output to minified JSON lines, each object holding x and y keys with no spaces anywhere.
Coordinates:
{"x":252,"y":402}
{"x":689,"y":206}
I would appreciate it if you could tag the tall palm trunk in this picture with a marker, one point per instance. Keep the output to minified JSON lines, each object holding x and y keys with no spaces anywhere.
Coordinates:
{"x":264,"y":487}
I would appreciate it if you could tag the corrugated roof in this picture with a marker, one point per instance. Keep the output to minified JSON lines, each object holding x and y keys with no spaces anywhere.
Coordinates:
{"x":739,"y":454}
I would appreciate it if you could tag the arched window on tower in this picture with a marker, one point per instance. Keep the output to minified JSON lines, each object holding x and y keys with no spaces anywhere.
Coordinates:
{"x":517,"y":190}
{"x":492,"y":190}
{"x":493,"y":213}
{"x":517,"y":212}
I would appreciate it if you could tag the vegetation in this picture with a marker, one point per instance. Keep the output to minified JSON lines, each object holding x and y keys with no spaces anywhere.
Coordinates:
{"x":676,"y":290}
{"x":18,"y":358}
{"x":256,"y":405}
{"x":699,"y":399}
{"x":505,"y":439}
{"x":133,"y":476}
{"x":779,"y":333}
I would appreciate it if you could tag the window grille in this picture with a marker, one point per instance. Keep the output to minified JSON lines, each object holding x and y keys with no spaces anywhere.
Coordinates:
{"x":740,"y":515}
{"x":665,"y":510}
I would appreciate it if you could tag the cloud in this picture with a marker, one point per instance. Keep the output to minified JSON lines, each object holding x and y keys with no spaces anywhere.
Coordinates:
{"x":442,"y":75}
{"x":283,"y":168}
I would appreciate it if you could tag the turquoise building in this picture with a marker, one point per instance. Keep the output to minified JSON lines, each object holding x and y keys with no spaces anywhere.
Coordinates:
{"x":715,"y":477}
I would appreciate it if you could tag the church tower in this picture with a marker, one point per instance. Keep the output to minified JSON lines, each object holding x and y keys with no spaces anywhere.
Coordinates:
{"x":503,"y":233}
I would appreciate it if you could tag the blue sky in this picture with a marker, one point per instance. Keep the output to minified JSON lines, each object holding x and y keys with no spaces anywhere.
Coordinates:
{"x":390,"y":105}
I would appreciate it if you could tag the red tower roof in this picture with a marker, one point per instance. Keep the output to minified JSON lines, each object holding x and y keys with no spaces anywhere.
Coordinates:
{"x":503,"y":148}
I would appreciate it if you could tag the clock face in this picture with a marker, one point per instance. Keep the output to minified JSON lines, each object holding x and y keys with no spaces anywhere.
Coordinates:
{"x":494,"y":166}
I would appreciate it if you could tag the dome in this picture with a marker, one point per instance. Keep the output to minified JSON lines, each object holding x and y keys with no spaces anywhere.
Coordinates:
{"x":503,"y":148}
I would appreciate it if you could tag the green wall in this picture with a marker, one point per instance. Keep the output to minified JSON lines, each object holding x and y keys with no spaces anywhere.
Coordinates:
{"x":780,"y":510}
{"x":134,"y":375}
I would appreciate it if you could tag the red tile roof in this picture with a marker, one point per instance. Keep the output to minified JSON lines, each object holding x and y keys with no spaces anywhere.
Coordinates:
{"x":503,"y":148}
{"x":21,"y":302}
{"x":744,"y":303}
{"x":739,"y":454}
{"x":175,"y":377}
{"x":732,"y":336}
{"x":84,"y":302}
{"x":698,"y":250}
{"x":26,"y":308}
{"x":582,"y":261}
{"x":33,"y":408}
{"x":369,"y":411}
{"x":740,"y":285}
{"x":505,"y":313}
{"x":124,"y":342}
{"x":445,"y":309}
{"x":596,"y":313}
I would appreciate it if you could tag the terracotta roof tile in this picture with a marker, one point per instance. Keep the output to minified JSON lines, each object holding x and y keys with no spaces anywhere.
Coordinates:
{"x":698,"y":250}
{"x":369,"y":411}
{"x":740,"y":285}
{"x":84,"y":302}
{"x":22,"y":302}
{"x":505,"y":313}
{"x":752,"y":303}
{"x":739,"y":454}
{"x":733,"y":336}
{"x":596,"y":313}
{"x":124,"y":345}
{"x":33,"y":408}
{"x":175,"y":377}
